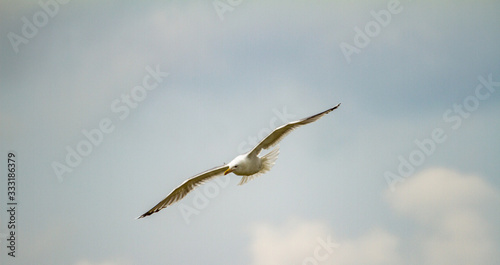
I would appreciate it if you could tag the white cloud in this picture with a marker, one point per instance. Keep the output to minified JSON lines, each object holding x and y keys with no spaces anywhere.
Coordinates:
{"x":460,"y":238}
{"x":451,"y":226}
{"x":450,"y":210}
{"x":303,"y":242}
{"x":286,"y":244}
{"x":376,"y":247}
{"x":438,"y":192}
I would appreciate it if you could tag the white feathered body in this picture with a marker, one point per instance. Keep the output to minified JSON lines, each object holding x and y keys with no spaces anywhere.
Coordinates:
{"x":250,"y":166}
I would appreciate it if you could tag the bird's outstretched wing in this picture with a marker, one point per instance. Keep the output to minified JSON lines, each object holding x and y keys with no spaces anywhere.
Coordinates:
{"x":188,"y":185}
{"x":279,"y":133}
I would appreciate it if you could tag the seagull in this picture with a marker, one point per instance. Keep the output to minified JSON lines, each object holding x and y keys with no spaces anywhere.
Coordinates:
{"x":248,"y":165}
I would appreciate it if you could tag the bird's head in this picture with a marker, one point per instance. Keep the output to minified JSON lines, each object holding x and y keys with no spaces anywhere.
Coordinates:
{"x":235,"y":166}
{"x":230,"y":169}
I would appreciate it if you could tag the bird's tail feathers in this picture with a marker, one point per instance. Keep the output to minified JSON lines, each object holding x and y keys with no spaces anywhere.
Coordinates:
{"x":269,"y":159}
{"x":268,"y":162}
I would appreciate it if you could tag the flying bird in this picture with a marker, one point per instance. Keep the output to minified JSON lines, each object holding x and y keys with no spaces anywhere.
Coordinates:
{"x":248,"y":165}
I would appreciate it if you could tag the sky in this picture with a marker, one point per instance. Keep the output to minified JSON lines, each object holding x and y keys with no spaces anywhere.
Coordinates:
{"x":106,"y":107}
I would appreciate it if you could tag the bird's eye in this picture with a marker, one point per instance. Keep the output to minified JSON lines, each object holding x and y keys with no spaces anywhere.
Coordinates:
{"x":236,"y":166}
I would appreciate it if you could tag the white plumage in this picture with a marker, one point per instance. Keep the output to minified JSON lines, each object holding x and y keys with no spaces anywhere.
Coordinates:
{"x":248,"y":165}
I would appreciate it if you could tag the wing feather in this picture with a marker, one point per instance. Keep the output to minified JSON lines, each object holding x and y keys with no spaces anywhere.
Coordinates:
{"x":187,"y":186}
{"x":279,"y":133}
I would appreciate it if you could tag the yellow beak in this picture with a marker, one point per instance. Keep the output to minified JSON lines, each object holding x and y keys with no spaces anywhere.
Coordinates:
{"x":229,"y":170}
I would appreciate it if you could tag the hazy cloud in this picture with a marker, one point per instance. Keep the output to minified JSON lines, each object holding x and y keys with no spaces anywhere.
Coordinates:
{"x":451,"y":213}
{"x":450,"y":224}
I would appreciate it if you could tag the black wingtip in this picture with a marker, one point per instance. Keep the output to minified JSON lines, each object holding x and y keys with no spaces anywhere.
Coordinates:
{"x":148,"y":213}
{"x":142,"y":216}
{"x":338,"y":105}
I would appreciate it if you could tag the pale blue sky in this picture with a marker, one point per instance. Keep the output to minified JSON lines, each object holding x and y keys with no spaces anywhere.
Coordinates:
{"x":231,"y":77}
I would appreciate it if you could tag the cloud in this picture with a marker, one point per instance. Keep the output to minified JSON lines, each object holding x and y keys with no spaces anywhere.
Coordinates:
{"x":451,"y":213}
{"x":376,"y":247}
{"x":438,"y":192}
{"x":449,"y":225}
{"x":312,"y":242}
{"x":286,"y":244}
